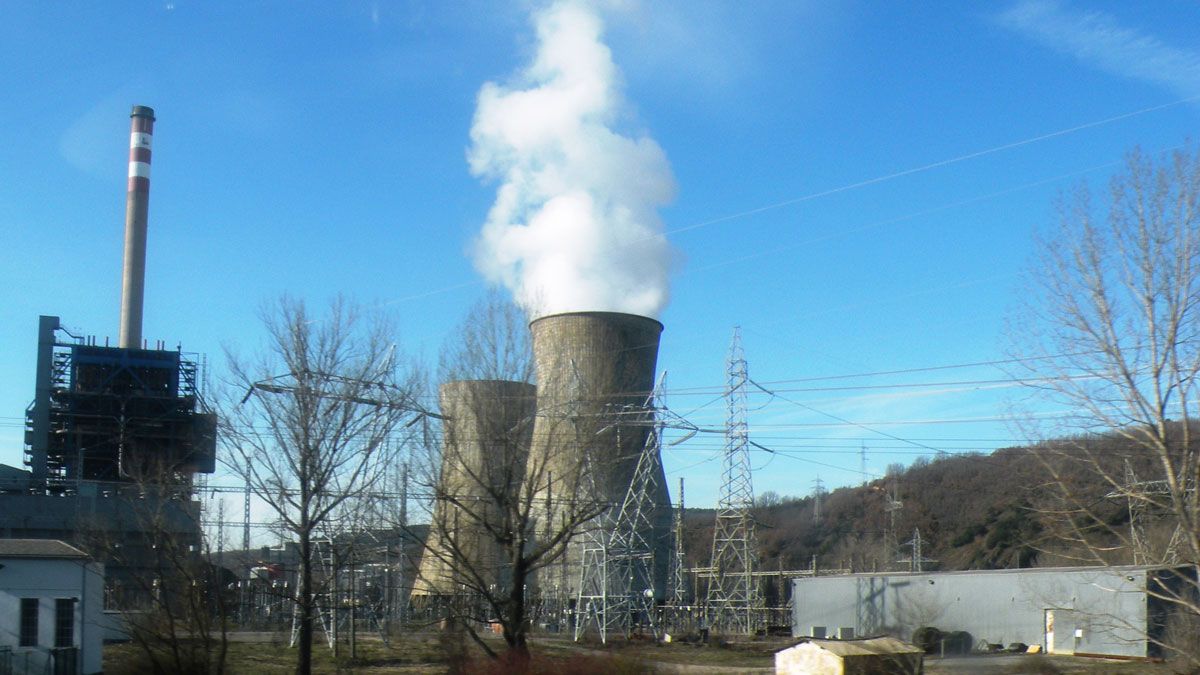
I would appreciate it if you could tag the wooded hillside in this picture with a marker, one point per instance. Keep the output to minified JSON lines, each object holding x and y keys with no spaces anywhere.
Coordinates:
{"x":974,"y":511}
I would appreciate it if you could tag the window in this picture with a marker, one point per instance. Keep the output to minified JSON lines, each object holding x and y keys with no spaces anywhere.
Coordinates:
{"x":64,"y":622}
{"x":29,"y":622}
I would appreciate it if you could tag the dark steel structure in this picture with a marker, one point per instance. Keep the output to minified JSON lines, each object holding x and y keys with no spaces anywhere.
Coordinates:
{"x":114,"y":414}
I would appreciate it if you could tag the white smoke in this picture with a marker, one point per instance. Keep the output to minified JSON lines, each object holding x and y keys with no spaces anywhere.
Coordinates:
{"x":575,"y":224}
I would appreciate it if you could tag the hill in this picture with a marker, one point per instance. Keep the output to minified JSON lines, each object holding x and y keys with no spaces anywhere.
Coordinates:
{"x":974,"y":511}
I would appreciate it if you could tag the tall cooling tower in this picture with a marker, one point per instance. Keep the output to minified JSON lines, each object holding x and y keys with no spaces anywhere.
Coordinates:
{"x":487,"y":430}
{"x":595,"y":371}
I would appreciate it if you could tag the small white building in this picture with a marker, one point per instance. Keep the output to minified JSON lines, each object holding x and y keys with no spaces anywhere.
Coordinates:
{"x":51,"y":608}
{"x":872,"y":656}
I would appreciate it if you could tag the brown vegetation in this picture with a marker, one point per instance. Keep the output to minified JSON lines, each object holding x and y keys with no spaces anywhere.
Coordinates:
{"x":974,"y":511}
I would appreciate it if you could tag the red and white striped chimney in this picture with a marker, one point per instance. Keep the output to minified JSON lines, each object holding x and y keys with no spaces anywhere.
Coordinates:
{"x":137,"y":204}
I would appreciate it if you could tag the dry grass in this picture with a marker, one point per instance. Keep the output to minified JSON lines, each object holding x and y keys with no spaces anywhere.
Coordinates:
{"x":415,"y":654}
{"x":432,"y":653}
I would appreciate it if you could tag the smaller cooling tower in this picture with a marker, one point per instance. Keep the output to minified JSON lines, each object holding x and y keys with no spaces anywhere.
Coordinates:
{"x":487,"y":431}
{"x":595,"y":371}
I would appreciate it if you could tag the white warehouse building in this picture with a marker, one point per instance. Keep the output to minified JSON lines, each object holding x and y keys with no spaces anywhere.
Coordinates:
{"x":1102,"y":611}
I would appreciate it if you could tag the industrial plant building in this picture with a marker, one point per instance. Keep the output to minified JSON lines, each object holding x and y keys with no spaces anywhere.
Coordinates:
{"x":115,"y":434}
{"x":1100,"y":611}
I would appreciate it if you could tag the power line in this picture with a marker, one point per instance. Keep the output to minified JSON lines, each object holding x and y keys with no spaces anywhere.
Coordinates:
{"x":931,"y":166}
{"x":846,"y":421}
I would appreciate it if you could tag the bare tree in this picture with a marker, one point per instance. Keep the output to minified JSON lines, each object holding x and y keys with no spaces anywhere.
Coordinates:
{"x":315,"y":427}
{"x":486,"y":543}
{"x":172,"y":600}
{"x":1111,"y":334}
{"x":491,"y":343}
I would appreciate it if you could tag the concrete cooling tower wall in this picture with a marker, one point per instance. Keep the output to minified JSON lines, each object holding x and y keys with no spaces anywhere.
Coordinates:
{"x":487,"y":432}
{"x":594,"y":372}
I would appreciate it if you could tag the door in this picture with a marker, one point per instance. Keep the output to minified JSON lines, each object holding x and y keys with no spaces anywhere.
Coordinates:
{"x":1049,"y":646}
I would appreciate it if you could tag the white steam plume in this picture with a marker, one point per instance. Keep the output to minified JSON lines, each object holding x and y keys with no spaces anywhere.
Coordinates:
{"x":575,"y":224}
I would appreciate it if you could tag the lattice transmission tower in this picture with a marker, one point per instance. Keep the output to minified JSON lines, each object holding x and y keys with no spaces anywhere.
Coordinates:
{"x":1140,"y":495}
{"x":734,"y":602}
{"x":916,"y":562}
{"x":891,"y":542}
{"x":818,"y":493}
{"x":679,"y":585}
{"x":616,"y":589}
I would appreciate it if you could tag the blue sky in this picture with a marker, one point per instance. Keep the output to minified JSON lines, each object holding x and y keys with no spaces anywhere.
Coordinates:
{"x":856,"y":185}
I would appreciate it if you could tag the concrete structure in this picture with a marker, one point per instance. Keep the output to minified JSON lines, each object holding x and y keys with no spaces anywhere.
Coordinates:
{"x":595,"y":371}
{"x":137,"y":206}
{"x":1077,"y":610}
{"x":875,"y":656}
{"x":487,"y":429}
{"x":51,"y":608}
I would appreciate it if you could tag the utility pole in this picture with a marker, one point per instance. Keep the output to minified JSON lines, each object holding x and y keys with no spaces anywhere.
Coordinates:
{"x":398,"y":591}
{"x":734,"y":598}
{"x":246,"y":517}
{"x":221,"y":535}
{"x":891,"y":506}
{"x":818,"y":492}
{"x":353,"y":605}
{"x":678,"y":578}
{"x":247,"y":560}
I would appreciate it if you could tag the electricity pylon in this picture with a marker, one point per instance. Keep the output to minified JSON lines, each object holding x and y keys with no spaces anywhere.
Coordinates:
{"x":891,"y":545}
{"x":679,"y":589}
{"x":616,"y":589}
{"x":734,"y":600}
{"x":1139,"y":494}
{"x":818,"y":492}
{"x":916,"y":563}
